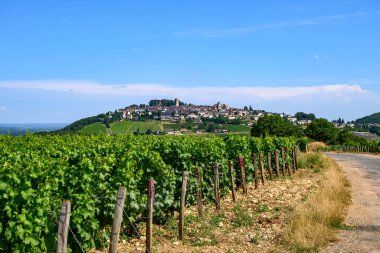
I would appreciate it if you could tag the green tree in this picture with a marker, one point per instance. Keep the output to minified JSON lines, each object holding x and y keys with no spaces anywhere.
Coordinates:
{"x":374,"y":130}
{"x":210,"y":128}
{"x":344,"y":136}
{"x":322,"y":130}
{"x":274,"y":125}
{"x":304,"y":116}
{"x":107,"y":122}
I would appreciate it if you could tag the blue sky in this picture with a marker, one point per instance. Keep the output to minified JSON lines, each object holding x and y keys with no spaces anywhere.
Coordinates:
{"x":64,"y":60}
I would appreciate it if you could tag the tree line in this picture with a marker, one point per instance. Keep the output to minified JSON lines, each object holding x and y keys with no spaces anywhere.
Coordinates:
{"x":318,"y":130}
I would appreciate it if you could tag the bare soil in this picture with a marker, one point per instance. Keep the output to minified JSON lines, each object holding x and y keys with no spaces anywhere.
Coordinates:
{"x":255,"y":223}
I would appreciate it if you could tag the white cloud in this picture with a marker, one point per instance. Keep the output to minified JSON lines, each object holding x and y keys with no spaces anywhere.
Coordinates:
{"x":202,"y":93}
{"x":238,"y":31}
{"x":331,"y":101}
{"x":319,"y":56}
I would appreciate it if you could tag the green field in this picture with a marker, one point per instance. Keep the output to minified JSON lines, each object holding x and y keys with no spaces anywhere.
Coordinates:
{"x":128,"y":126}
{"x":230,"y":127}
{"x":177,"y":126}
{"x":94,"y":128}
{"x":173,"y":126}
{"x":236,"y":128}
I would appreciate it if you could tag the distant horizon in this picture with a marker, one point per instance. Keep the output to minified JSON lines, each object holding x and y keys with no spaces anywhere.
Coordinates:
{"x":31,"y":123}
{"x":66,"y":60}
{"x":187,"y":102}
{"x":23,"y":124}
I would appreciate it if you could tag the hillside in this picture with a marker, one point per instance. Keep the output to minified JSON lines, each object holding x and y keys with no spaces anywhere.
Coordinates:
{"x":128,"y":126}
{"x":371,"y":119}
{"x":168,"y":117}
{"x":121,"y":128}
{"x":94,"y":128}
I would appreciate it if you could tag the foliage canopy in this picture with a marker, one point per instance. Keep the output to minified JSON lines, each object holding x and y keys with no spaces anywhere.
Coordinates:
{"x":275,"y":125}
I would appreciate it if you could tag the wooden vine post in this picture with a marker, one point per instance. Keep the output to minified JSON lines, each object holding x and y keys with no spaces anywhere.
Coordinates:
{"x":262,"y":168}
{"x":294,"y":160}
{"x":63,"y":226}
{"x":288,"y":165}
{"x":283,"y":161}
{"x":216,"y":186}
{"x":242,"y":172}
{"x":233,"y":185}
{"x":117,"y":218}
{"x":270,"y":165}
{"x":149,"y":219}
{"x":255,"y":168}
{"x":199,"y":191}
{"x":181,"y":222}
{"x":277,"y":163}
{"x":296,"y":157}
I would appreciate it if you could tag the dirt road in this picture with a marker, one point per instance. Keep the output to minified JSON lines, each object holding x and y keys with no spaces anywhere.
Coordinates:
{"x":363,"y":215}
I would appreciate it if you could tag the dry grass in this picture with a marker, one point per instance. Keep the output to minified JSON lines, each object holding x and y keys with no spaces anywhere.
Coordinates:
{"x":313,"y":223}
{"x":300,"y":208}
{"x":312,"y":161}
{"x":315,"y":146}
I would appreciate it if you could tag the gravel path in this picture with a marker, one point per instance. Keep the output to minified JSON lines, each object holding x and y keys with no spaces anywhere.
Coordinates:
{"x":363,"y":216}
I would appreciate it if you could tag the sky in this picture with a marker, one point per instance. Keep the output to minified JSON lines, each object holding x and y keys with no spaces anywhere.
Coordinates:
{"x":64,"y":60}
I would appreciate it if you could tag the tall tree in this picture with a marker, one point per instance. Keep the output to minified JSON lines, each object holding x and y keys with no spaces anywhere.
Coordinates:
{"x":304,"y":116}
{"x":322,"y":130}
{"x":274,"y":125}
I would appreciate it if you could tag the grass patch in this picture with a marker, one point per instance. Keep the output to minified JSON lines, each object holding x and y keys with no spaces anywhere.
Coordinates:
{"x":203,"y":233}
{"x":215,"y":220}
{"x":236,"y":128}
{"x":242,"y":218}
{"x":129,"y":126}
{"x":178,"y":126}
{"x":343,"y":227}
{"x":312,"y":161}
{"x":316,"y":146}
{"x":276,"y":212}
{"x":256,"y":238}
{"x":262,"y":208}
{"x":313,"y":223}
{"x":94,"y":128}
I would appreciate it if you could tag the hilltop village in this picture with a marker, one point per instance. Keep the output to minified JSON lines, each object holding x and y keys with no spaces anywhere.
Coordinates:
{"x":204,"y":118}
{"x":178,"y":112}
{"x":174,"y":117}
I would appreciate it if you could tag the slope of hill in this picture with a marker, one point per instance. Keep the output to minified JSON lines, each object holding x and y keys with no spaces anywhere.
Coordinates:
{"x":121,"y":128}
{"x":371,"y":119}
{"x":94,"y":128}
{"x":236,"y":128}
{"x":80,"y":124}
{"x":128,"y":126}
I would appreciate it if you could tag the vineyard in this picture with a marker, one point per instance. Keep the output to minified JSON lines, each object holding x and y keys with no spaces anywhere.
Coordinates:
{"x":365,"y":146}
{"x":38,"y":172}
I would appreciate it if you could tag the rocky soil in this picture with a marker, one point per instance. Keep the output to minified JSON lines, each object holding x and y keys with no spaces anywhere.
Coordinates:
{"x":254,"y":223}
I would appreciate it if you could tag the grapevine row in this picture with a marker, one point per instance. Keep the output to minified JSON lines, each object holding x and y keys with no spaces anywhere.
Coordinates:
{"x":37,"y":172}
